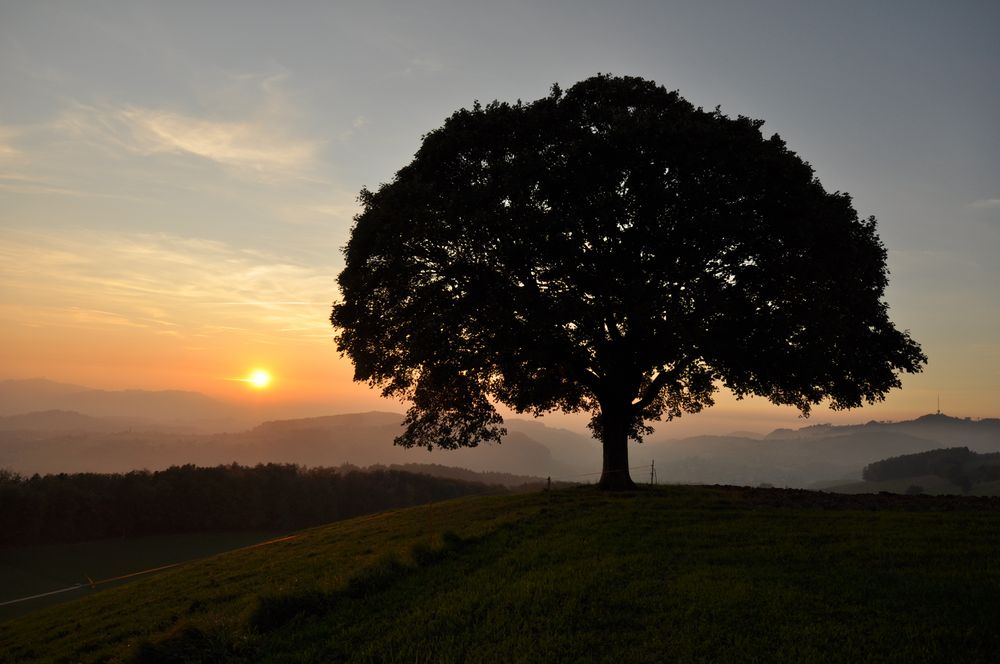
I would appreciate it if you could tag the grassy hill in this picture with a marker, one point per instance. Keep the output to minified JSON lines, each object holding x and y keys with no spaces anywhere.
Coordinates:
{"x":30,"y":571}
{"x":671,"y":573}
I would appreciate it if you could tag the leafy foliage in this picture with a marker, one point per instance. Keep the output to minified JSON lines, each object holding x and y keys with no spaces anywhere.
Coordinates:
{"x":616,"y":250}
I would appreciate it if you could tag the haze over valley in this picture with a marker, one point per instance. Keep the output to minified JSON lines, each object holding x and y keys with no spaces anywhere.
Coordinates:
{"x":48,"y":427}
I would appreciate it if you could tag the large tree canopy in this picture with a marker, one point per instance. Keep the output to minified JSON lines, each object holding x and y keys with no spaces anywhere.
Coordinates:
{"x":612,"y":249}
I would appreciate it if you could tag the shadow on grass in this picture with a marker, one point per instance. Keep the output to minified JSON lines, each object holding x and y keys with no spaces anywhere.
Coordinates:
{"x":187,"y":643}
{"x":276,"y":611}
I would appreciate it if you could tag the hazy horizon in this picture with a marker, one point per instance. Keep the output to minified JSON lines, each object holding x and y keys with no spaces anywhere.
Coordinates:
{"x":141,"y":430}
{"x":717,"y":421}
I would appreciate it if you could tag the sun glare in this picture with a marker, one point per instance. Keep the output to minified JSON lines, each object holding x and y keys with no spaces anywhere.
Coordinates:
{"x":259,"y":378}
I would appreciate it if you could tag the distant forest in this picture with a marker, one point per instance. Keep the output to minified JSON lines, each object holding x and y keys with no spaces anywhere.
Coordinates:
{"x":959,"y":465}
{"x":183,"y":499}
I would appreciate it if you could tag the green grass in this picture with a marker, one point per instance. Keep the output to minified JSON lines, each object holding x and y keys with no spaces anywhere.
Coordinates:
{"x":31,"y":570}
{"x":673,"y":573}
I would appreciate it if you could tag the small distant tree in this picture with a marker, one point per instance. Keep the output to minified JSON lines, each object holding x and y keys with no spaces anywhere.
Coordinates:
{"x":615,"y":250}
{"x":914,"y":490}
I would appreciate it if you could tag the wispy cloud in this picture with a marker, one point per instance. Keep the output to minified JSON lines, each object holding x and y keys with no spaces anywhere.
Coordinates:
{"x":340,"y":211}
{"x":22,"y":183}
{"x":184,"y":286}
{"x":423,"y":65}
{"x":985,"y":203}
{"x":259,"y":147}
{"x":7,"y":137}
{"x":241,"y":144}
{"x":358,"y":124}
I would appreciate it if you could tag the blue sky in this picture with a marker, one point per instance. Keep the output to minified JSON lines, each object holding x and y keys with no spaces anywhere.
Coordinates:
{"x":176,"y":178}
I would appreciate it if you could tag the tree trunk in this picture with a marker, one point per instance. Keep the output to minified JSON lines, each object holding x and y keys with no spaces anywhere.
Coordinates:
{"x":614,"y":440}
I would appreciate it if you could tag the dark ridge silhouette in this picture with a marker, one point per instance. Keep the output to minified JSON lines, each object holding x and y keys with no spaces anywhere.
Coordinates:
{"x":959,"y":465}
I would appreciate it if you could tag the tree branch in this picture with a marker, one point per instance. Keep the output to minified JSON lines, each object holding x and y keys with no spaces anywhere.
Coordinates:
{"x":651,"y":391}
{"x":657,"y":384}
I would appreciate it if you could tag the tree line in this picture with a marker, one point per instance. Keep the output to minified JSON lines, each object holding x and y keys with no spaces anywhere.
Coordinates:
{"x":182,"y":499}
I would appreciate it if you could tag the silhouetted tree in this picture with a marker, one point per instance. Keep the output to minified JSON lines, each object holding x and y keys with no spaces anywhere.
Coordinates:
{"x":616,"y":250}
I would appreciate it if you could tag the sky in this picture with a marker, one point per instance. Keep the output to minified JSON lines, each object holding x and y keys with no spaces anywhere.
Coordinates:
{"x":177,"y":178}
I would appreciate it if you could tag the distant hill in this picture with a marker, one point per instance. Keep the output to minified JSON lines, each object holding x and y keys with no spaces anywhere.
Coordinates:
{"x":361,"y":439}
{"x":66,"y":421}
{"x":371,"y":419}
{"x":953,"y":462}
{"x":580,"y":453}
{"x":366,"y":439}
{"x":131,"y":429}
{"x":54,"y":420}
{"x":949,"y":430}
{"x":803,"y":457}
{"x":162,"y":406}
{"x":941,"y":471}
{"x":33,"y":395}
{"x":489,"y":478}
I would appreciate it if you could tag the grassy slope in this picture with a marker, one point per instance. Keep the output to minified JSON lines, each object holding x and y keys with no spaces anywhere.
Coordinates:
{"x":30,"y":570}
{"x":683,"y":573}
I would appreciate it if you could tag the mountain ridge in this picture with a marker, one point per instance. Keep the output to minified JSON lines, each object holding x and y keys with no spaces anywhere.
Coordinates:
{"x":25,"y":396}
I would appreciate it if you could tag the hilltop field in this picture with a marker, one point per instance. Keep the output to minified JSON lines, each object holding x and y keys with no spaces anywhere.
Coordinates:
{"x":659,"y":574}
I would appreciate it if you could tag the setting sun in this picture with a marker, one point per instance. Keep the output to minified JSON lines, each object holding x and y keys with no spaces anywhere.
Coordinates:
{"x":259,"y":378}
